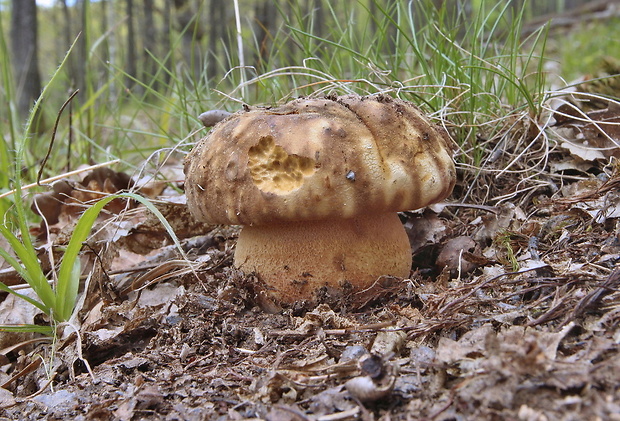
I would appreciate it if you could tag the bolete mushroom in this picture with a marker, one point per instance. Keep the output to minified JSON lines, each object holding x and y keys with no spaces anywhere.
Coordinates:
{"x":317,"y":184}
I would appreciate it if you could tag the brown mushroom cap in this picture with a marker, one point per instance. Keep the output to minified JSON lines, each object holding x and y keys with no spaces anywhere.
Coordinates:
{"x":319,"y":159}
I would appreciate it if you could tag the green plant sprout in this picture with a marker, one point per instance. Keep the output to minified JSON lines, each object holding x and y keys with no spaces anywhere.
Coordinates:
{"x":59,"y":302}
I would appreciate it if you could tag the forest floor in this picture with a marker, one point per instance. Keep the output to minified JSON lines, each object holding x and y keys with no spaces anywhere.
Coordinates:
{"x":523,"y":323}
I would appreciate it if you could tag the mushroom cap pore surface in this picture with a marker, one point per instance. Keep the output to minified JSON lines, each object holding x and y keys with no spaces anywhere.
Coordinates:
{"x":321,"y":158}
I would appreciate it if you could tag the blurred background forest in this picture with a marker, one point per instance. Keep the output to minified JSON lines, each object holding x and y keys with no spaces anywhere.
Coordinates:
{"x":146,"y":68}
{"x":139,"y":38}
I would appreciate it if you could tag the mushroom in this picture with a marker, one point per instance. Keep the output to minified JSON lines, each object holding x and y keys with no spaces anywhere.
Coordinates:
{"x":317,"y":184}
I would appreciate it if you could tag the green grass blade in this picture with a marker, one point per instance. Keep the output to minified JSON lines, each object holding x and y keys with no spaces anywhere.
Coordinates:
{"x":67,"y":288}
{"x":329,"y":42}
{"x":46,"y":330}
{"x":69,"y":271}
{"x":11,"y":114}
{"x":15,"y":263}
{"x":32,"y":301}
{"x":161,"y":218}
{"x":30,"y":268}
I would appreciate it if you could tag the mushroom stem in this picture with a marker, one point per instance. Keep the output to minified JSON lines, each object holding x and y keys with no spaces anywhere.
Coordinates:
{"x":296,"y":259}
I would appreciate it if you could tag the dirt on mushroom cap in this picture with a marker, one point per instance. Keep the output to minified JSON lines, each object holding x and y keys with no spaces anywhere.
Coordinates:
{"x":316,"y":159}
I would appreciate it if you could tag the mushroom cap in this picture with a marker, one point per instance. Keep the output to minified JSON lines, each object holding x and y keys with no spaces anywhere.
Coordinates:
{"x":319,"y":158}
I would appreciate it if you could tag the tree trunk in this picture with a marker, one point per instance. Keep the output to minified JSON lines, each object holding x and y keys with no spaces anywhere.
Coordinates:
{"x":168,"y":43}
{"x":24,"y":52}
{"x":105,"y":42}
{"x":265,"y":26}
{"x":131,"y":68}
{"x":150,"y":43}
{"x":68,"y":37}
{"x":188,"y":20}
{"x":219,"y":35}
{"x":318,"y":21}
{"x":80,"y":54}
{"x":108,"y":17}
{"x":215,"y":21}
{"x":391,"y":6}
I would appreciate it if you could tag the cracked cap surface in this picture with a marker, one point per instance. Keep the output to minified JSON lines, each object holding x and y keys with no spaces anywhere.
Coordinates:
{"x":319,"y":158}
